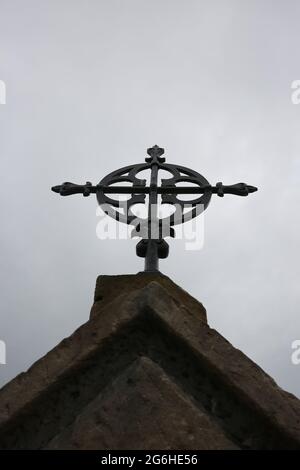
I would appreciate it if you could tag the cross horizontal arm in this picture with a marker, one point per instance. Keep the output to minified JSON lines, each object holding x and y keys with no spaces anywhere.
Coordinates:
{"x":239,"y":189}
{"x":66,"y":189}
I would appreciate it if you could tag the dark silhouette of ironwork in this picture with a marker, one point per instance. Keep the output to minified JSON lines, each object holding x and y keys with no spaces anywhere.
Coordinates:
{"x":153,"y":229}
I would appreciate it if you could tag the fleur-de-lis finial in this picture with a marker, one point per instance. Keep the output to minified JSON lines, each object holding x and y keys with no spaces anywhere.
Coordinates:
{"x":155,"y":153}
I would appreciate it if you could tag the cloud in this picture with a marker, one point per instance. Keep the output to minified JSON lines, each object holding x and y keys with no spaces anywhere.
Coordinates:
{"x":90,"y":87}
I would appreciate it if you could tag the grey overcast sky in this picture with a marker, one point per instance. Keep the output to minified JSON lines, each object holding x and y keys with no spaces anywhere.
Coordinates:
{"x":91,"y":85}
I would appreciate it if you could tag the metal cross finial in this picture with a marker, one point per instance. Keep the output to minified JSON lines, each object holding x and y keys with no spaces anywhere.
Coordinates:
{"x":155,"y":155}
{"x":153,"y":229}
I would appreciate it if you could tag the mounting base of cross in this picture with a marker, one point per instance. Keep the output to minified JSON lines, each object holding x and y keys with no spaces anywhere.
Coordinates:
{"x":152,"y":251}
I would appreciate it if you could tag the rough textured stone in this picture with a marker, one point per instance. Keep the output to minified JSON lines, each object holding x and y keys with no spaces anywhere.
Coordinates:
{"x":108,"y":286}
{"x":147,"y":342}
{"x":144,"y":407}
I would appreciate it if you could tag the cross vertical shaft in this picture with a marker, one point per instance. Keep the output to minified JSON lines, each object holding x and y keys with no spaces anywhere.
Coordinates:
{"x":151,"y":258}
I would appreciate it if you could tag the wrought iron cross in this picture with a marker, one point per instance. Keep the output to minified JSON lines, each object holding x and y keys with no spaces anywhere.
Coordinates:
{"x":153,"y":229}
